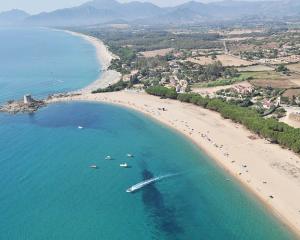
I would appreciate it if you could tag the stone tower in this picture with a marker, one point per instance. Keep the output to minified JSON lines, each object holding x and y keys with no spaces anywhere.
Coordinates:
{"x":28,"y":99}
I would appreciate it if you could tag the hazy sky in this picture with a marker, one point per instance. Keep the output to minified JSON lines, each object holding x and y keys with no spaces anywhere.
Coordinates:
{"x":35,"y":6}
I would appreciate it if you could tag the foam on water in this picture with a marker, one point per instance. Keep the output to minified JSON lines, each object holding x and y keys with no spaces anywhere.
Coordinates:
{"x":144,"y":183}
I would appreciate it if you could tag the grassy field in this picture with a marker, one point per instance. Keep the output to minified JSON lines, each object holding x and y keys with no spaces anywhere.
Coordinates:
{"x":255,"y":68}
{"x":260,"y":79}
{"x":224,"y":82}
{"x":226,"y":60}
{"x":294,"y":67}
{"x":273,"y":79}
{"x":266,"y":75}
{"x":210,"y":91}
{"x":291,"y":92}
{"x":154,"y":53}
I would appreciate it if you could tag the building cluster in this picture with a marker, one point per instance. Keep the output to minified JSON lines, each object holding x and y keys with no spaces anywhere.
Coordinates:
{"x":260,"y":98}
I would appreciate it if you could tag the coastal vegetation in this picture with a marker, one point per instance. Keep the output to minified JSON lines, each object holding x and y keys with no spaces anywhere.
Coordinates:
{"x":282,"y":68}
{"x":151,"y":38}
{"x":202,"y":59}
{"x":200,"y":56}
{"x":114,"y":87}
{"x":204,"y":73}
{"x":125,"y":57}
{"x":131,"y":45}
{"x":162,"y":92}
{"x":239,"y":77}
{"x":269,"y":128}
{"x":183,"y":54}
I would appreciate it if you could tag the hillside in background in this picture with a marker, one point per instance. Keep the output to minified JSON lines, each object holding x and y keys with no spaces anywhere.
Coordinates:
{"x":103,"y":11}
{"x":13,"y":17}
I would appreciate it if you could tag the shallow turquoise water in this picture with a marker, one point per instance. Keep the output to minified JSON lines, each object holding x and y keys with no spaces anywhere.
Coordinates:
{"x":48,"y":190}
{"x":43,"y":61}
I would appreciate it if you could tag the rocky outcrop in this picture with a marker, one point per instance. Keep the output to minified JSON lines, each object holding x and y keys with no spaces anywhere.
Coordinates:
{"x":14,"y":107}
{"x":30,"y":105}
{"x":62,"y":95}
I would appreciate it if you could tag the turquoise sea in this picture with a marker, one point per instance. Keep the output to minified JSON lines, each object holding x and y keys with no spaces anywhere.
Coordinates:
{"x":49,"y":192}
{"x":43,"y":61}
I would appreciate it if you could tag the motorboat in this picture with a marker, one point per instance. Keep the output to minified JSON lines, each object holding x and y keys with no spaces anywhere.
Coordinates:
{"x":124,"y":165}
{"x":146,"y":182}
{"x":108,"y":158}
{"x":129,"y":155}
{"x":94,"y":166}
{"x":142,"y":184}
{"x":80,"y":127}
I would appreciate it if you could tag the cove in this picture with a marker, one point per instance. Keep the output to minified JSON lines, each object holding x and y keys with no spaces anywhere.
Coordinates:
{"x":48,"y":190}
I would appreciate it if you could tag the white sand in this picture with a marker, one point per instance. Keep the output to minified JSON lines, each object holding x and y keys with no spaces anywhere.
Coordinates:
{"x":265,"y":169}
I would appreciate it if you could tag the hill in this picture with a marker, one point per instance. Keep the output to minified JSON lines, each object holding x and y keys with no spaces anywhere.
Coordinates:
{"x":103,"y":11}
{"x":12,"y":17}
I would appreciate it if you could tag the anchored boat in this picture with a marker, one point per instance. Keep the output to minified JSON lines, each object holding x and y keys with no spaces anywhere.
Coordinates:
{"x":124,"y":165}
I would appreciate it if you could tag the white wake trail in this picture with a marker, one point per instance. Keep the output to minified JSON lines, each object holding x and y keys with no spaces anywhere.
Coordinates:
{"x":148,"y":181}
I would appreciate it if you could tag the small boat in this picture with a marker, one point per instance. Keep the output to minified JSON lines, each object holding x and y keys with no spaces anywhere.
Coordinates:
{"x":108,"y":158}
{"x":129,"y":155}
{"x":80,"y":127}
{"x":142,"y":184}
{"x":124,"y":165}
{"x":94,"y":166}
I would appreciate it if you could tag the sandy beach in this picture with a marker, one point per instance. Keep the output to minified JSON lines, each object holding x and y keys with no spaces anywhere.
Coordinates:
{"x":267,"y":170}
{"x":270,"y":172}
{"x":104,"y":56}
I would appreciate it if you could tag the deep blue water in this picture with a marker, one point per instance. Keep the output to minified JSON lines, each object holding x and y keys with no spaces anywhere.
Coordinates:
{"x":43,"y":61}
{"x":48,"y":190}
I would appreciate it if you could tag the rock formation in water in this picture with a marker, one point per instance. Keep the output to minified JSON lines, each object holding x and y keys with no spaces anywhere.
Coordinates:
{"x":27,"y":105}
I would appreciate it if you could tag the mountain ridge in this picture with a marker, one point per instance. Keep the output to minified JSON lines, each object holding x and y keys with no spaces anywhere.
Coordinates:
{"x":103,"y":11}
{"x":12,"y":17}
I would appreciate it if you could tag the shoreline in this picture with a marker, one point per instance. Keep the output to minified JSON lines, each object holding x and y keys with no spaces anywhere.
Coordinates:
{"x":104,"y":58}
{"x":254,"y":163}
{"x":263,"y":169}
{"x":105,"y":79}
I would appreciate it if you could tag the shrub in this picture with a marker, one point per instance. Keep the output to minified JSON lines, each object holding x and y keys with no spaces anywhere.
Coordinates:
{"x":162,"y":92}
{"x":119,"y":86}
